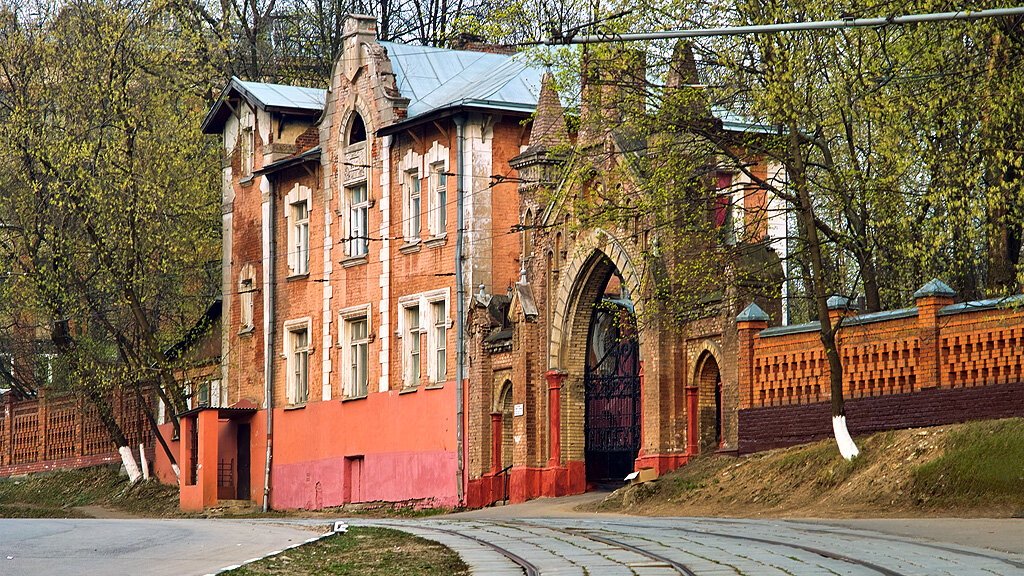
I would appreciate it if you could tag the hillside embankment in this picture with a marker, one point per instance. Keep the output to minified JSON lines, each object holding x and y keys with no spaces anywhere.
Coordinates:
{"x":971,"y":469}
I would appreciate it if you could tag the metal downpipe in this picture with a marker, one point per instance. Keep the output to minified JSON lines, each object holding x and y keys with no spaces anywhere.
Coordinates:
{"x":460,"y":303}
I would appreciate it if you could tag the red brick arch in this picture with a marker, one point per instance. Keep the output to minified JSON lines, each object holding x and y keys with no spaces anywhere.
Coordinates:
{"x":594,"y":258}
{"x":707,"y":377}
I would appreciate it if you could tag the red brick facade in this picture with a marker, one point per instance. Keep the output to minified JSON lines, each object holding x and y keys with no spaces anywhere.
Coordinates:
{"x":933,"y":364}
{"x":52,"y":433}
{"x":374,"y":191}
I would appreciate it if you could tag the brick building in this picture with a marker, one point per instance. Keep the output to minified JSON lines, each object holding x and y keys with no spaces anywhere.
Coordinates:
{"x":348,"y":298}
{"x":580,"y":374}
{"x":341,"y":261}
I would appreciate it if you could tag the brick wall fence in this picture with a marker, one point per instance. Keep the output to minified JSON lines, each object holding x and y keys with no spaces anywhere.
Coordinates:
{"x":936,"y":363}
{"x":64,"y":432}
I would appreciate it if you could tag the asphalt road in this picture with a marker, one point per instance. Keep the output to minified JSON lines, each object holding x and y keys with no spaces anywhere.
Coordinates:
{"x":542,"y":538}
{"x":36,"y":547}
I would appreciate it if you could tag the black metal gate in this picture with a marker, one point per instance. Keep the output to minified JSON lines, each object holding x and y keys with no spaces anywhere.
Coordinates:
{"x":612,"y":390}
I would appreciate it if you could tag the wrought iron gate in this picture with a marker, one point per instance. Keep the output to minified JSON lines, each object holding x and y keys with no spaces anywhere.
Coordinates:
{"x":612,"y":391}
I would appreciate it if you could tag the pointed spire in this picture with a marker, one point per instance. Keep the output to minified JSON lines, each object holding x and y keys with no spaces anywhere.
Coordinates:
{"x":683,"y":68}
{"x":549,"y":129}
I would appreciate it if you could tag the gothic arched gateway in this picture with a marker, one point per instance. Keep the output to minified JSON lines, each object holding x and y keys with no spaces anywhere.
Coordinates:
{"x":611,"y":384}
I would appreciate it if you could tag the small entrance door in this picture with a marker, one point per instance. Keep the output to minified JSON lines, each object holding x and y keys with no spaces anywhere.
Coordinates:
{"x":242,"y":482}
{"x":612,"y":390}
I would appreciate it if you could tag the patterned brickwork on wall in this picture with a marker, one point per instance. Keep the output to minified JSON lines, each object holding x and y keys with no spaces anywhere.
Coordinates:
{"x":779,"y":426}
{"x":61,"y":428}
{"x":25,"y":446}
{"x":94,"y":435}
{"x":988,"y":349}
{"x":896,"y":352}
{"x":64,"y":432}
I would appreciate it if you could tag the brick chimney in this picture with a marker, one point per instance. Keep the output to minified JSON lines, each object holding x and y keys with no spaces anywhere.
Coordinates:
{"x":358,"y":29}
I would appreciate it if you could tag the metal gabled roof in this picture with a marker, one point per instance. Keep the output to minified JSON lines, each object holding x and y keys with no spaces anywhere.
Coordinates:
{"x":299,"y":100}
{"x":438,"y":78}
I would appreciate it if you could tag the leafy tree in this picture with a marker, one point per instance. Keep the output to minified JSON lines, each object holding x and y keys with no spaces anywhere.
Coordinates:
{"x":896,"y":143}
{"x":111,"y":194}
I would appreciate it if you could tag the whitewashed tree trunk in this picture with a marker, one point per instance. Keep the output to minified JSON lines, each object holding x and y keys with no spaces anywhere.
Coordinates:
{"x":177,"y":472}
{"x":130,"y":466}
{"x":143,"y":462}
{"x":847,"y":448}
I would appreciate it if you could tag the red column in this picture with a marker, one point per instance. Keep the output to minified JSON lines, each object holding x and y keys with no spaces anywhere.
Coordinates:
{"x":691,"y":420}
{"x":555,"y":379}
{"x":930,"y":299}
{"x":495,"y":442}
{"x":207,"y":458}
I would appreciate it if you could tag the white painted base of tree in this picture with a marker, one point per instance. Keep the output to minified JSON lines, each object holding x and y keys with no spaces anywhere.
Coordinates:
{"x":846,"y":446}
{"x":177,"y":472}
{"x":143,"y":462}
{"x":130,"y":466}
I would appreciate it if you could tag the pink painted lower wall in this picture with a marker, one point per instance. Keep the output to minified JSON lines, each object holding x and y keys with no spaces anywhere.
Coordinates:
{"x":385,"y":447}
{"x":425,"y":478}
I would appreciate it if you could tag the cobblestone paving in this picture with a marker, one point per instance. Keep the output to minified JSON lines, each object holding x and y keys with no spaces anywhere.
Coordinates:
{"x":698,"y":547}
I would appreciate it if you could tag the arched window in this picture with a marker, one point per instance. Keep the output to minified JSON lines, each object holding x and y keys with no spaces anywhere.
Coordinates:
{"x":356,"y":130}
{"x":527,"y":233}
{"x":558,"y":251}
{"x":505,"y":406}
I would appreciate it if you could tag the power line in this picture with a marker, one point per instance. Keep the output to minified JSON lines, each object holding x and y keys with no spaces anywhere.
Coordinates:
{"x":969,"y":15}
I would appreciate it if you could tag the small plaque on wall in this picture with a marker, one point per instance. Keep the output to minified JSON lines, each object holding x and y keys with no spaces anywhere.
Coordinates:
{"x":518,"y":410}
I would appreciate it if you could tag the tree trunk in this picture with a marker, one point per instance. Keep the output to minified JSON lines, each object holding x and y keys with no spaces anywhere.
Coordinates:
{"x":869,"y":277}
{"x":827,"y":334}
{"x":106,"y":415}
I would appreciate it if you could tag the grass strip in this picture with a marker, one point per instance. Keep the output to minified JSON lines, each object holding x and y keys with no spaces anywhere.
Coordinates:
{"x":362,"y":551}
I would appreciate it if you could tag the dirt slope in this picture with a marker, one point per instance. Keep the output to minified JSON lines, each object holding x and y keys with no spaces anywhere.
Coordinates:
{"x":973,"y":469}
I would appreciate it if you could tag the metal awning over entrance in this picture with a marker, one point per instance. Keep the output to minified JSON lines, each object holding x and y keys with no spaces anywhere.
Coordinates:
{"x":228,"y":413}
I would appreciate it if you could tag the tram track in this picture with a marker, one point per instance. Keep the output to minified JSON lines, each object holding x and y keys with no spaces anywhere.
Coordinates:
{"x":971,"y":553}
{"x":529,"y":569}
{"x":680,"y":567}
{"x":818,"y":551}
{"x":632,"y":540}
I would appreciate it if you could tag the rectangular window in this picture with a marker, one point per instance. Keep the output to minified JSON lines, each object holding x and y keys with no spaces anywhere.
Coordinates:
{"x":440,"y":342}
{"x":204,"y":394}
{"x":248,"y":150}
{"x":44,"y":369}
{"x":359,"y":207}
{"x":245,"y":290}
{"x":299,"y":378}
{"x":412,"y":319}
{"x":415,"y":206}
{"x":358,"y":345}
{"x":300,"y":220}
{"x":440,"y":202}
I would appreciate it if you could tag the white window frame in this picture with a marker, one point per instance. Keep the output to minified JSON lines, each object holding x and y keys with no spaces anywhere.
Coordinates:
{"x":300,"y":237}
{"x":247,"y":142}
{"x":295,"y":392}
{"x":298,"y":230}
{"x":428,"y":324}
{"x":246,"y":299}
{"x":47,"y":360}
{"x":413,"y":189}
{"x":439,"y":343}
{"x":435,"y":162}
{"x":438,"y":200}
{"x":347,"y":317}
{"x":358,"y":219}
{"x":412,"y":359}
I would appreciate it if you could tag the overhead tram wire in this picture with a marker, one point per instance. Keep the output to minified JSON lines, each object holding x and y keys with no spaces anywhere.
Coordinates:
{"x":968,"y":15}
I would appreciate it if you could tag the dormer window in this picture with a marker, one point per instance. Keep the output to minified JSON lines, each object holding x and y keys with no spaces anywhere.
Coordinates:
{"x":356,"y":130}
